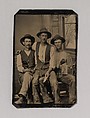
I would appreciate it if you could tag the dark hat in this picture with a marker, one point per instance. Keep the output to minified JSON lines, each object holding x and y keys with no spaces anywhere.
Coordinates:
{"x":57,"y":37}
{"x":29,"y":37}
{"x":44,"y":30}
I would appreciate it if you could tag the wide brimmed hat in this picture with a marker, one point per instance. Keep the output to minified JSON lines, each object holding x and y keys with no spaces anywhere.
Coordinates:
{"x":27,"y":36}
{"x":57,"y":37}
{"x":44,"y":30}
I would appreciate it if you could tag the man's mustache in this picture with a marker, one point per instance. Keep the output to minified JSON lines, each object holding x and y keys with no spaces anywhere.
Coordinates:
{"x":44,"y":39}
{"x":28,"y":45}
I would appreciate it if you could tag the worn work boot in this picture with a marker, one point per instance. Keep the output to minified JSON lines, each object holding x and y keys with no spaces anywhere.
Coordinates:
{"x":29,"y":101}
{"x":72,"y":101}
{"x":37,"y":102}
{"x":21,"y":100}
{"x":47,"y":99}
{"x":58,"y":102}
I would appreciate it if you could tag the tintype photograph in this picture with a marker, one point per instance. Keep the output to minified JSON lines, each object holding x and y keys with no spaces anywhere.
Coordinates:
{"x":45,"y":58}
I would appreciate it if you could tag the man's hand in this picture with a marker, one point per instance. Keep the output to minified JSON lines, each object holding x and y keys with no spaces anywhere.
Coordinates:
{"x":64,"y":69}
{"x":62,"y":61}
{"x":29,"y":70}
{"x":32,"y":71}
{"x":26,"y":70}
{"x":46,"y":76}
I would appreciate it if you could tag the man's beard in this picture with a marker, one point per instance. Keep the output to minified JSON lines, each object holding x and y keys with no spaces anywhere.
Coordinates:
{"x":28,"y":47}
{"x":44,"y":41}
{"x":58,"y":48}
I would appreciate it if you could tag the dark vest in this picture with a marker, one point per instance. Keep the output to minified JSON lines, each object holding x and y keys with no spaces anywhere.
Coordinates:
{"x":47,"y":56}
{"x":28,"y":61}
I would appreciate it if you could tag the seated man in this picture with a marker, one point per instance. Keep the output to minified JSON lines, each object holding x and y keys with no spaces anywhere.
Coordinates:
{"x":62,"y":67}
{"x":25,"y":66}
{"x":44,"y":69}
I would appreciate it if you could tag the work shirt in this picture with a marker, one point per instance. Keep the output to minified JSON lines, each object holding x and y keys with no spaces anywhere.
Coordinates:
{"x":59,"y":55}
{"x":41,"y":54}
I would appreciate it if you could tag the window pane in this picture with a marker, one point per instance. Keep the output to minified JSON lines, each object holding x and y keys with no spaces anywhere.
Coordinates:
{"x":70,"y":36}
{"x":70,"y":19}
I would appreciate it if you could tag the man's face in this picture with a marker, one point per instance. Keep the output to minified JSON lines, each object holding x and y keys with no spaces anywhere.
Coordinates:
{"x":58,"y":44}
{"x":27,"y":43}
{"x":43,"y":37}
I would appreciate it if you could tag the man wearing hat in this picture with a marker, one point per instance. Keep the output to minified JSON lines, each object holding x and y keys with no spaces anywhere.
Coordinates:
{"x":25,"y":66}
{"x":44,"y":53}
{"x":61,"y":64}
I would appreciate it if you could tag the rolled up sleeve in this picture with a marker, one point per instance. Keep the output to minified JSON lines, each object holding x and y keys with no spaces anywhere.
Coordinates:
{"x":34,"y":48}
{"x":52,"y":58}
{"x":19,"y":63}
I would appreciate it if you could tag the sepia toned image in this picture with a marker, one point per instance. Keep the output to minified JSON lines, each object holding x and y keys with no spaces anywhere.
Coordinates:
{"x":45,"y":58}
